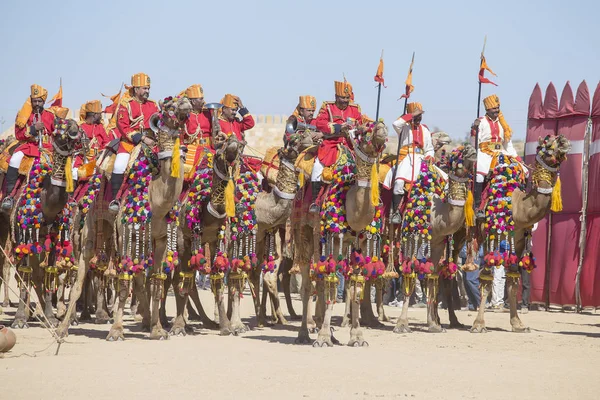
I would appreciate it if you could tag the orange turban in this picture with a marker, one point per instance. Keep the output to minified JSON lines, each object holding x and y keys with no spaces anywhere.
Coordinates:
{"x":194,"y":92}
{"x":60,"y":112}
{"x":309,"y":102}
{"x":93,"y":106}
{"x":412,"y":107}
{"x":230,"y":101}
{"x":140,"y":79}
{"x":491,"y":102}
{"x":343,"y":89}
{"x":38,"y":92}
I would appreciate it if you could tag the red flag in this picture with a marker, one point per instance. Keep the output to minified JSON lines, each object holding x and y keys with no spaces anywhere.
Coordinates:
{"x":379,"y":75}
{"x":115,"y":102}
{"x":482,"y":68}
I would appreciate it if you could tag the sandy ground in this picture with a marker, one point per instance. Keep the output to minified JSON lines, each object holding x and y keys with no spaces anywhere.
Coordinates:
{"x":560,"y":358}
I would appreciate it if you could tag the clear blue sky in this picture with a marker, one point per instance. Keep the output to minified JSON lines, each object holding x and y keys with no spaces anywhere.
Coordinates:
{"x":270,"y":52}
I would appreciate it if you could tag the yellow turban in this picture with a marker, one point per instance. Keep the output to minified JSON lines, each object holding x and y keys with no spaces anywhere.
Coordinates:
{"x":343,"y":89}
{"x":60,"y":112}
{"x":38,"y":92}
{"x":194,"y":92}
{"x":229,"y":101}
{"x":412,"y":107}
{"x":491,"y":102}
{"x":94,"y":106}
{"x":308,"y":102}
{"x":140,"y":79}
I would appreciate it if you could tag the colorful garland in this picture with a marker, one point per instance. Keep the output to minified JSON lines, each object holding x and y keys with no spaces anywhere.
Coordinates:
{"x":507,"y":176}
{"x":29,"y":212}
{"x":92,"y":190}
{"x":244,"y":224}
{"x":200,"y":190}
{"x":172,"y":259}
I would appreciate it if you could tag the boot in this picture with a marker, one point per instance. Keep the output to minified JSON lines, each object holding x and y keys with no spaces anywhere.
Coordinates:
{"x":11,"y":180}
{"x":116,"y":180}
{"x":479,"y":214}
{"x":396,"y":200}
{"x":316,"y":188}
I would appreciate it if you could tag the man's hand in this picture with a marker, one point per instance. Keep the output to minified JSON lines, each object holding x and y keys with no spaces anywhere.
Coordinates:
{"x":315,"y":136}
{"x":148,"y":140}
{"x":239,"y":102}
{"x":39,"y":126}
{"x":345,"y":127}
{"x":476,"y":123}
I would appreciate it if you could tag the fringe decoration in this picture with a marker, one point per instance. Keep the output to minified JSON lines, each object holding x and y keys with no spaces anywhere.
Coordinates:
{"x":229,"y":199}
{"x":557,"y":205}
{"x":69,"y":174}
{"x":374,"y":185}
{"x":176,"y":159}
{"x":469,"y":213}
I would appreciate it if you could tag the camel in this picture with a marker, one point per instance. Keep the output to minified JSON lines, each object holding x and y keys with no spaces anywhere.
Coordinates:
{"x":360,"y":211}
{"x":205,"y":232}
{"x":53,"y":198}
{"x":447,"y":217}
{"x":527,"y":209}
{"x":272,"y":212}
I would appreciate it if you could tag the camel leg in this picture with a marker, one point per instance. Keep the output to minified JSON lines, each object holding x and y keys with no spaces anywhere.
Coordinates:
{"x":76,"y":289}
{"x":286,"y":277}
{"x":306,"y":289}
{"x":236,"y":288}
{"x":61,"y":307}
{"x":366,"y":309}
{"x":320,"y":305}
{"x":86,"y":315}
{"x":324,"y":339}
{"x":515,"y":321}
{"x":347,"y":311}
{"x":402,"y":324}
{"x":356,"y":334}
{"x":181,"y":291}
{"x":157,"y":286}
{"x":274,"y":295}
{"x":44,"y":295}
{"x":133,"y":307}
{"x":262,"y":312}
{"x":23,"y":310}
{"x":218,"y":287}
{"x":485,"y":287}
{"x":102,"y":316}
{"x":433,"y":319}
{"x":381,"y":283}
{"x":195,"y":297}
{"x":6,"y":281}
{"x":446,"y":287}
{"x":162,"y":310}
{"x":143,"y":302}
{"x":116,"y":330}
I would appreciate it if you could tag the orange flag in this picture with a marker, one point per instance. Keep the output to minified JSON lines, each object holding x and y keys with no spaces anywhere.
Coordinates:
{"x":379,"y":75}
{"x":482,"y":68}
{"x":409,"y":86}
{"x":115,"y":102}
{"x":58,"y":97}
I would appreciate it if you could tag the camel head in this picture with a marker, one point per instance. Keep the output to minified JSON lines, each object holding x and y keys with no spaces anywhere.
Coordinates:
{"x":462,"y":160}
{"x":230,"y":149}
{"x":371,"y":138}
{"x":439,"y":140}
{"x":552,"y":150}
{"x":67,"y":135}
{"x":297,"y":143}
{"x":174,"y":112}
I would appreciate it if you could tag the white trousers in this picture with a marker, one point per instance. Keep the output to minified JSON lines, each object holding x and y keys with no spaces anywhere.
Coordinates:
{"x":498,"y":287}
{"x":15,"y":159}
{"x":121,"y":163}
{"x":317,"y":171}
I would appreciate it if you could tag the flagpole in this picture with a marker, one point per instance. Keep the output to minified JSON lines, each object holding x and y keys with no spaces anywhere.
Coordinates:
{"x":378,"y":96}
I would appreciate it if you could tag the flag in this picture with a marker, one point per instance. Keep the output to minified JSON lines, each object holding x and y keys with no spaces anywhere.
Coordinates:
{"x":115,"y":102}
{"x":379,"y":75}
{"x":409,"y":86}
{"x":482,"y":68}
{"x":58,"y":97}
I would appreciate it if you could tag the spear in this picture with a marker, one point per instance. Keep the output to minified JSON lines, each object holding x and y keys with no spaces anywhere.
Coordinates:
{"x":379,"y":78}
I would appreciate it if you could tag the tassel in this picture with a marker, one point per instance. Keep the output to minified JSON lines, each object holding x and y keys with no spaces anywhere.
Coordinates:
{"x":86,"y":170}
{"x":69,"y":174}
{"x":374,"y":185}
{"x":176,"y":159}
{"x":229,"y":200}
{"x":301,"y":179}
{"x":557,"y":205}
{"x":469,"y":213}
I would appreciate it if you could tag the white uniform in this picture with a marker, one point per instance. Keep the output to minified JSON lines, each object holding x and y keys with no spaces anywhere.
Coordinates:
{"x":491,"y":131}
{"x":409,"y":167}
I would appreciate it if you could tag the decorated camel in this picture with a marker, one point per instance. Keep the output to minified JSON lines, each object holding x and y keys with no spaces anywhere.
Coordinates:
{"x":510,"y":213}
{"x":205,"y":208}
{"x":152,"y":187}
{"x":38,"y":232}
{"x":349,"y":206}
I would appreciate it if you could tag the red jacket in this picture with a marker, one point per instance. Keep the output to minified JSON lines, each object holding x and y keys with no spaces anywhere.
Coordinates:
{"x":198,"y":129}
{"x":29,"y":143}
{"x":132,"y":118}
{"x":92,"y":131}
{"x":237,"y":127}
{"x":329,"y":121}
